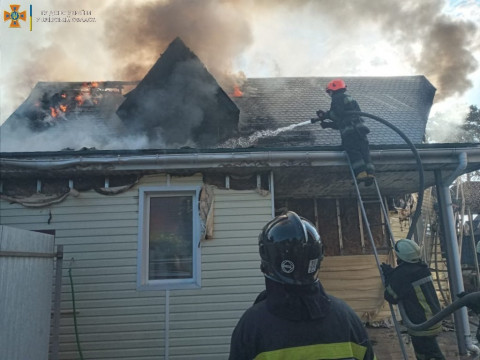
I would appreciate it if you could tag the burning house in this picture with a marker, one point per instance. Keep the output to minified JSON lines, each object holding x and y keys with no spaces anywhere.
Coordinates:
{"x":161,"y":238}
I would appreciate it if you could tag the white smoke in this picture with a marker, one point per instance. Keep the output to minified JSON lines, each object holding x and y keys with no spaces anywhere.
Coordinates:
{"x":85,"y":132}
{"x":446,"y":119}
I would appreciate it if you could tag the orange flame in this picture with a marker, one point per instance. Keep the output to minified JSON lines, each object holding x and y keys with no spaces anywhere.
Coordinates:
{"x":79,"y":99}
{"x":237,"y":92}
{"x":53,"y":112}
{"x":63,"y":107}
{"x":94,"y":84}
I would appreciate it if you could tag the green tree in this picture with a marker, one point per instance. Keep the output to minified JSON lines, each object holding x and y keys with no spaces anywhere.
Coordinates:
{"x":470,"y":132}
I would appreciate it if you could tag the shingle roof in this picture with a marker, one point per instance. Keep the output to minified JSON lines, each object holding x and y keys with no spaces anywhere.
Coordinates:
{"x":35,"y":112}
{"x":270,"y":103}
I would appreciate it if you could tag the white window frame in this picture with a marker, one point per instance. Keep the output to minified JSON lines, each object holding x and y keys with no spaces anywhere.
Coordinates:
{"x":145,"y":194}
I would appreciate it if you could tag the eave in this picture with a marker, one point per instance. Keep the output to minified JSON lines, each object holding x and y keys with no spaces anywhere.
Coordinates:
{"x":298,"y":172}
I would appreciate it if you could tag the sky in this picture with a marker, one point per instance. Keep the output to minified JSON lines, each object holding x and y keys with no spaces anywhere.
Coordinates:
{"x":95,"y":40}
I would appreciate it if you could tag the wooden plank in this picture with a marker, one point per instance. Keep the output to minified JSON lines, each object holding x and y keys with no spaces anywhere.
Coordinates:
{"x":356,"y":280}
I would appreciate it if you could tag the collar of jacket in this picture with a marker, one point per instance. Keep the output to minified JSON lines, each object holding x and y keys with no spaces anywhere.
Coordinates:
{"x":297,"y":303}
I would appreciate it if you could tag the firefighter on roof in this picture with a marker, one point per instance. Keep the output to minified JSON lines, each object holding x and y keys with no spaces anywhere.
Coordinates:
{"x":411,"y":282}
{"x":352,"y":129}
{"x":294,"y":318}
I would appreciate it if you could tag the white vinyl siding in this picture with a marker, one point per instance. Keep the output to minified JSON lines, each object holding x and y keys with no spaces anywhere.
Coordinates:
{"x":115,"y":320}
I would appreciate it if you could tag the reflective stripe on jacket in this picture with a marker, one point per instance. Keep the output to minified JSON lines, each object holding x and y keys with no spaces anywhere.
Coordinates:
{"x":261,"y":335}
{"x":412,"y":284}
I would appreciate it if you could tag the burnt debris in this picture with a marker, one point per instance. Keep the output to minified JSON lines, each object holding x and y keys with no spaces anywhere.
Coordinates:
{"x":51,"y":104}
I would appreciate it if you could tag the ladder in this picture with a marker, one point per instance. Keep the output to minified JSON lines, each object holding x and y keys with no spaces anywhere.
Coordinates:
{"x":390,"y":238}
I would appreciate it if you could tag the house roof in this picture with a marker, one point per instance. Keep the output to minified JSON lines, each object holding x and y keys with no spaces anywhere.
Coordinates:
{"x":86,"y":105}
{"x":271,"y":103}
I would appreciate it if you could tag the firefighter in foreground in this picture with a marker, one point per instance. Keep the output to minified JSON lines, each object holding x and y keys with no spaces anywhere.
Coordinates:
{"x":411,"y":282}
{"x":352,"y":129}
{"x":294,"y":318}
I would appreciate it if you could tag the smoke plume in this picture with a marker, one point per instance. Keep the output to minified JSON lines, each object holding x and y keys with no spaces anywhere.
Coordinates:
{"x":285,"y":38}
{"x":434,"y":45}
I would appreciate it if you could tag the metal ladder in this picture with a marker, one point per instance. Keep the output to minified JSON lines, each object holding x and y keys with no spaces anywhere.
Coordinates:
{"x":391,"y":240}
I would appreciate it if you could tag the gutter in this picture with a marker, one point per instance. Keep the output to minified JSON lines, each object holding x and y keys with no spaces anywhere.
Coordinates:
{"x":462,"y":164}
{"x":231,"y":159}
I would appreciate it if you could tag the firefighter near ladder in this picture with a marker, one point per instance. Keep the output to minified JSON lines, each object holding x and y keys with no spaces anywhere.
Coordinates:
{"x":352,"y":129}
{"x":411,"y":282}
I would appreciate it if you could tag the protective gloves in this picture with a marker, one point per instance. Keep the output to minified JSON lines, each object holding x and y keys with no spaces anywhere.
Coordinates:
{"x":321,"y":114}
{"x":320,"y":117}
{"x":386,"y":270}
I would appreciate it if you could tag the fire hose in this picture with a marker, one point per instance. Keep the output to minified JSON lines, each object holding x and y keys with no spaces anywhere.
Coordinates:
{"x":421,"y":178}
{"x":471,"y":301}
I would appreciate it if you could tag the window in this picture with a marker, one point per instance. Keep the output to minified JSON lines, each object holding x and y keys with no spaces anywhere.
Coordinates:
{"x":169,"y":232}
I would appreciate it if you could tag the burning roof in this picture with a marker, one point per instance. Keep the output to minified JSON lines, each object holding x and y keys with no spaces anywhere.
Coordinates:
{"x":180,"y":103}
{"x":50,"y":104}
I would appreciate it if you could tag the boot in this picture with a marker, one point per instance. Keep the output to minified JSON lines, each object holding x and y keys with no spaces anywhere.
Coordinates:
{"x":362,"y":176}
{"x":369,"y":180}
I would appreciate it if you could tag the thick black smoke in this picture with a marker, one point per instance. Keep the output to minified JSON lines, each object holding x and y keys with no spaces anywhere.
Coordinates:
{"x":435,"y":45}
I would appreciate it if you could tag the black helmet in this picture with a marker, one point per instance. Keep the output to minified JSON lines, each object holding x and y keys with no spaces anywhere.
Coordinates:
{"x":290,"y":249}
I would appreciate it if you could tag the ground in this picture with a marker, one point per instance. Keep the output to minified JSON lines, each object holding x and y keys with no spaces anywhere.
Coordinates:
{"x":386,"y":345}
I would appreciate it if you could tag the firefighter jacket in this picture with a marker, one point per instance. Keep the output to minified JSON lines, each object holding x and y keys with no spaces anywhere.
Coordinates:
{"x":412,"y":284}
{"x":345,"y":123}
{"x":306,"y":324}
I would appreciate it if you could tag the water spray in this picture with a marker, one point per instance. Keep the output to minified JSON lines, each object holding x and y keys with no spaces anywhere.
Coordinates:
{"x":249,"y":140}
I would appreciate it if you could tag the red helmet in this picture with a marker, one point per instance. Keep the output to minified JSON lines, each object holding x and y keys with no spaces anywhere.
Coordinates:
{"x":335,"y":85}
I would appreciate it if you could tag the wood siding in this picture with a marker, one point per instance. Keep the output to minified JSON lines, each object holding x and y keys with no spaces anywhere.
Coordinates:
{"x":115,"y":321}
{"x":356,"y":280}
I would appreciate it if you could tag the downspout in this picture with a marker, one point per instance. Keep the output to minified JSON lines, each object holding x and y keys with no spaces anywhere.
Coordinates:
{"x":166,"y":339}
{"x":462,"y":327}
{"x":272,"y":193}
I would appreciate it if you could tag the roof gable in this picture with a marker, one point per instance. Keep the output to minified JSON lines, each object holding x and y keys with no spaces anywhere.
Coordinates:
{"x":180,"y":103}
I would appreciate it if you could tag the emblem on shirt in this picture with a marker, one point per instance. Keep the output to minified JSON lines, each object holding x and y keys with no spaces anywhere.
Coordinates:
{"x":287,"y":266}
